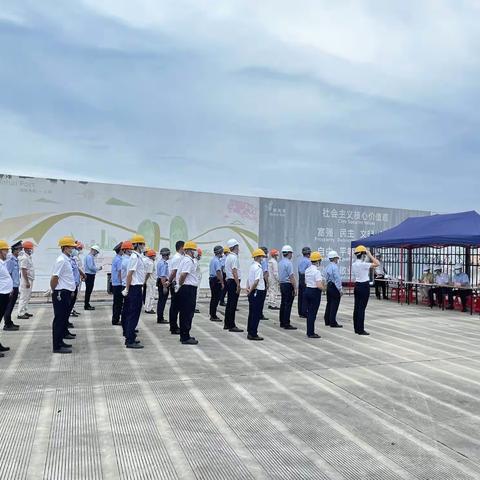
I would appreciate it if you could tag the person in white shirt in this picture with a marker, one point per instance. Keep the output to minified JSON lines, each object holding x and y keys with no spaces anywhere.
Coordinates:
{"x":233,"y":276}
{"x":255,"y":290}
{"x":197,"y":259}
{"x":187,"y":284}
{"x":174,"y":307}
{"x":273,"y":284}
{"x":132,"y":292}
{"x":150,"y":281}
{"x":6,"y":286}
{"x":27,"y":276}
{"x":314,"y":284}
{"x":62,"y":284}
{"x":361,"y":274}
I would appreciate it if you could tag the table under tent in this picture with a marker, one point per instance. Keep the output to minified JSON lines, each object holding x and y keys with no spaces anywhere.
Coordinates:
{"x":435,"y":240}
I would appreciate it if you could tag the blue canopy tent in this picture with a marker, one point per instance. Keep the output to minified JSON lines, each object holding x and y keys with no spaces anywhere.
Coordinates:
{"x":460,"y":229}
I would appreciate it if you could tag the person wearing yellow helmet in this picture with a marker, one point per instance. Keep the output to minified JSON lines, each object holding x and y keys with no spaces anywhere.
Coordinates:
{"x":6,"y":286}
{"x":361,"y":274}
{"x":187,"y":285}
{"x":314,"y":284}
{"x":62,"y":284}
{"x":132,"y":292}
{"x":255,"y":289}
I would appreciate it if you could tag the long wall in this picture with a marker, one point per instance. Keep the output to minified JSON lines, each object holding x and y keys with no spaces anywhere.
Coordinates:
{"x":42,"y":210}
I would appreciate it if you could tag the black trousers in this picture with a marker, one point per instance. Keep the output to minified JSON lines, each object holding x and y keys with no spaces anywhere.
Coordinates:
{"x":215,"y":294}
{"x":118,"y":299}
{"x":232,"y":301}
{"x":12,"y":300}
{"x":224,"y":291}
{"x":333,"y":302}
{"x":89,"y":282}
{"x":162,"y":300}
{"x":301,"y":291}
{"x":174,"y":310}
{"x":255,"y":304}
{"x":463,"y":294}
{"x":74,"y":299}
{"x":62,"y":302}
{"x":380,"y":285}
{"x":287,"y":296}
{"x":132,"y":309}
{"x":187,"y":301}
{"x":440,"y":293}
{"x":263,"y":296}
{"x":4,"y":299}
{"x":311,"y":300}
{"x":361,"y":294}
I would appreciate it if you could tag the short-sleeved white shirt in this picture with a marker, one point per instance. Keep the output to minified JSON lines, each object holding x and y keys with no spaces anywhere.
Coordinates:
{"x":175,"y":261}
{"x":137,"y":266}
{"x":188,"y":266}
{"x":361,"y":271}
{"x":256,"y":273}
{"x":63,"y":270}
{"x":230,"y":263}
{"x":312,"y":276}
{"x":6,"y":282}
{"x":149,"y":265}
{"x":26,"y":261}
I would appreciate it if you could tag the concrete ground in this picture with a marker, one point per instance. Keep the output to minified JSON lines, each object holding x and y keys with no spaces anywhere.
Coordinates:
{"x":403,"y":403}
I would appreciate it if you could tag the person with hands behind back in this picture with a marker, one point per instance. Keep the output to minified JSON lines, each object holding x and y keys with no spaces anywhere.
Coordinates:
{"x":255,"y":293}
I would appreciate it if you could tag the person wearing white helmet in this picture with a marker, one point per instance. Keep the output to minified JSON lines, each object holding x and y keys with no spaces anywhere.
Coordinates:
{"x":334,"y":290}
{"x":461,"y":282}
{"x":361,"y":274}
{"x":442,"y":280}
{"x":91,"y":270}
{"x":303,"y":264}
{"x":233,"y":276}
{"x":288,"y":287}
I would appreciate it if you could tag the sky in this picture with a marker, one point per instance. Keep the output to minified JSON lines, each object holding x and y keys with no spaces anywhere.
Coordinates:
{"x":352,"y":101}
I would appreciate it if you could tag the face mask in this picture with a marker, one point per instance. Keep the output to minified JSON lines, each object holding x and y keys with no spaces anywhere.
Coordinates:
{"x":195,"y":255}
{"x":458,"y":272}
{"x":74,"y":253}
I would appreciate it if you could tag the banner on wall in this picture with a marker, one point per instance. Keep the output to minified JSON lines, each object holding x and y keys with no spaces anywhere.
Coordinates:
{"x":43,"y":210}
{"x":324,"y":226}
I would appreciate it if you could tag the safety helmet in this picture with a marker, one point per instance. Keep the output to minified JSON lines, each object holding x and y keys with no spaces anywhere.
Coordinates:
{"x":332,"y":254}
{"x":437,"y":268}
{"x":190,"y":245}
{"x":287,"y":249}
{"x":426,"y":268}
{"x":137,"y":238}
{"x":27,"y":244}
{"x":66,"y":242}
{"x":4,"y":245}
{"x":218,"y":249}
{"x":258,"y":252}
{"x":315,"y":256}
{"x":306,"y":251}
{"x":226,"y":250}
{"x":273,"y":252}
{"x":96,"y":248}
{"x":151,"y":253}
{"x":117,"y":247}
{"x":458,"y":266}
{"x":164,"y":252}
{"x":360,"y":249}
{"x":232,"y":243}
{"x":127,"y":245}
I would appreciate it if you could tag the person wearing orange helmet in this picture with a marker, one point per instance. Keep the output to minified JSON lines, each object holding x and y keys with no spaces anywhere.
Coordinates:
{"x":150,"y":280}
{"x":273,"y":283}
{"x":127,"y":247}
{"x":6,"y":286}
{"x":27,"y":276}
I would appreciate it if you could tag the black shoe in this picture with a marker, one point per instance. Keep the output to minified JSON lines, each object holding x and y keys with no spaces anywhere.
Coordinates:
{"x":273,"y":308}
{"x":29,"y":314}
{"x":197,"y":310}
{"x":70,"y":333}
{"x":66,"y":345}
{"x":62,"y":350}
{"x":336,"y":325}
{"x":385,"y":298}
{"x":74,"y":314}
{"x":2,"y":354}
{"x":363,"y":333}
{"x":70,"y":325}
{"x":263,"y":318}
{"x":136,"y":330}
{"x":11,"y":327}
{"x":302,"y":316}
{"x":69,"y":336}
{"x":151,"y":312}
{"x":235,"y":330}
{"x":162,"y":320}
{"x":256,"y":338}
{"x":134,"y":345}
{"x":89,"y":307}
{"x":23,"y":317}
{"x":290,"y":327}
{"x":464,"y":310}
{"x":215,"y":319}
{"x":314,"y":336}
{"x":115,"y":323}
{"x":175,"y":332}
{"x":190,"y":341}
{"x":222,"y":304}
{"x":4,"y":349}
